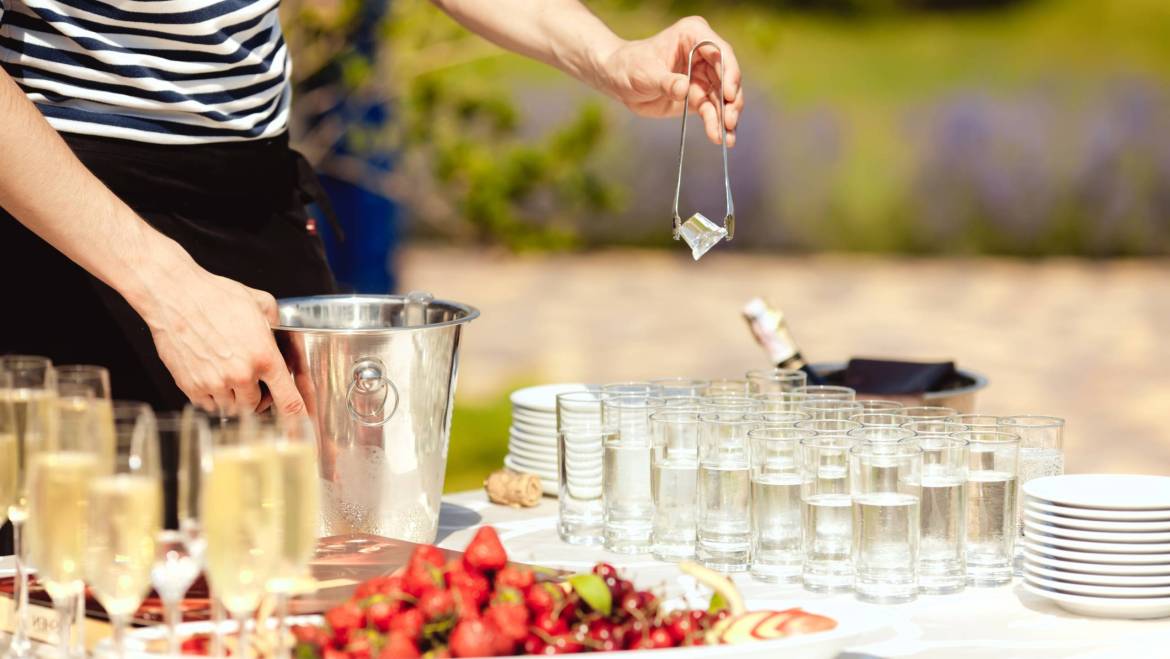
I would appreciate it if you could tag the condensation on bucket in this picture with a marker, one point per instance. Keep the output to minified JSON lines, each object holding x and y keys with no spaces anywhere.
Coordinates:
{"x":357,"y":503}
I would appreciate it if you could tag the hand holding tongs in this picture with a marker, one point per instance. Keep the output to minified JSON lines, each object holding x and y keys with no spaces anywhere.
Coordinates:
{"x":698,"y":231}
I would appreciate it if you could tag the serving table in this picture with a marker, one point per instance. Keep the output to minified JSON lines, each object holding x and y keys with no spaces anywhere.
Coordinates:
{"x":1003,"y":623}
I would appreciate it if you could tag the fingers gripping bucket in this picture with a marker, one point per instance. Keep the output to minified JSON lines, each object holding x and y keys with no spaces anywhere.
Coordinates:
{"x":378,"y":377}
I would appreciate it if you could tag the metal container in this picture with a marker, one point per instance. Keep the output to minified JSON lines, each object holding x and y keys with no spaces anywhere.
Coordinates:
{"x":959,"y":395}
{"x":378,"y":377}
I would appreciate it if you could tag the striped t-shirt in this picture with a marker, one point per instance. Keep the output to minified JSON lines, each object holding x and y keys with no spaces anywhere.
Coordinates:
{"x":160,"y":71}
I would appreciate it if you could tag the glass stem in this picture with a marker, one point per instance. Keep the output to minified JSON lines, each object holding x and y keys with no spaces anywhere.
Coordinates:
{"x":19,"y":646}
{"x":244,"y":639}
{"x":282,"y":648}
{"x":78,"y":649}
{"x":217,"y":618}
{"x":119,"y":636}
{"x":171,"y":618}
{"x":65,"y":615}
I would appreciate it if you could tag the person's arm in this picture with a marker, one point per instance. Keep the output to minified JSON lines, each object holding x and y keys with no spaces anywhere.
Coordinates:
{"x":212,"y":333}
{"x":648,"y":75}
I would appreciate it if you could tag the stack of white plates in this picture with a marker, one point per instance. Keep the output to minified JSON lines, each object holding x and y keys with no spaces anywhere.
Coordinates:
{"x":532,"y":439}
{"x":1099,"y":544}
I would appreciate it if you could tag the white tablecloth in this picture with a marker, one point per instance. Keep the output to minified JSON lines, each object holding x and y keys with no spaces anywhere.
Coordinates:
{"x":1003,"y":622}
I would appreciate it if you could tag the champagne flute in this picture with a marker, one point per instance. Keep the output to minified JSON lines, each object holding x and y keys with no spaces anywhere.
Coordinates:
{"x":179,"y":550}
{"x":28,"y":391}
{"x":60,"y":473}
{"x":295,"y":447}
{"x":240,"y":501}
{"x":125,"y":514}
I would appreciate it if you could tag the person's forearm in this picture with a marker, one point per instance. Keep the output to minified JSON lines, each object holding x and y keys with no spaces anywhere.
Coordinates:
{"x":50,"y":191}
{"x":562,"y":33}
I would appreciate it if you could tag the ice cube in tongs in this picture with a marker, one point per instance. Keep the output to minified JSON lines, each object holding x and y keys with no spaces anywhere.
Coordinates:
{"x":700,"y":233}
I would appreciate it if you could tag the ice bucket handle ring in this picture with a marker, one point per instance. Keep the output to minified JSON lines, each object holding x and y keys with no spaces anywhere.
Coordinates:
{"x":368,"y":378}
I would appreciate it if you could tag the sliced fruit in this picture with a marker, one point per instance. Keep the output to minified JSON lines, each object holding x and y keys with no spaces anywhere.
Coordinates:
{"x":772,"y":626}
{"x":807,"y":623}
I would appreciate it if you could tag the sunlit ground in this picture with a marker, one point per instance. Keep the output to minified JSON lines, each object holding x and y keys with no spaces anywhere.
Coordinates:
{"x":1079,"y":339}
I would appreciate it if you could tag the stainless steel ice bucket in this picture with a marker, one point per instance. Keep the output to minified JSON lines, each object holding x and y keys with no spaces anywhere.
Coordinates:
{"x":378,"y":377}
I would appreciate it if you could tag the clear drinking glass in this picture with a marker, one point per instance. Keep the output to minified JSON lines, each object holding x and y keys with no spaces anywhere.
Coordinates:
{"x":926,"y":427}
{"x":880,"y":434}
{"x":942,"y":568}
{"x":240,"y":511}
{"x":826,"y":513}
{"x":580,"y":447}
{"x":60,"y":473}
{"x":831,"y":408}
{"x":827,"y":392}
{"x":778,"y":419}
{"x":718,"y":388}
{"x":828,"y":426}
{"x":28,"y":391}
{"x":1041,"y":454}
{"x":676,"y":387}
{"x":883,"y":419}
{"x":927,"y":412}
{"x":185,"y":440}
{"x":730,"y":404}
{"x":875,"y":405}
{"x":724,"y":527}
{"x":674,"y":483}
{"x":777,"y":549}
{"x":975,"y":421}
{"x":626,"y":492}
{"x":631,"y":388}
{"x":780,"y":401}
{"x":776,"y":380}
{"x":992,"y":468}
{"x":125,"y":516}
{"x":886,"y":481}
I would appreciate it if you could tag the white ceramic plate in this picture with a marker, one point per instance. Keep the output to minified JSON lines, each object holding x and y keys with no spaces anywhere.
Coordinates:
{"x":139,"y":639}
{"x":546,"y":440}
{"x":1142,"y":592}
{"x":534,"y":429}
{"x":1033,"y":558}
{"x":541,"y":466}
{"x":1094,"y":557}
{"x":1099,"y":536}
{"x":1095,"y":524}
{"x":542,"y":420}
{"x":543,"y":398}
{"x":1103,"y":491}
{"x":1097,"y":579}
{"x":529,"y":454}
{"x":1104,"y":607}
{"x":548,"y":482}
{"x":1094,"y":514}
{"x":1107,"y":547}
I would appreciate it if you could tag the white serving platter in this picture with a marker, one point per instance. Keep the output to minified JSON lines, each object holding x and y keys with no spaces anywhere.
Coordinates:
{"x":543,"y":398}
{"x":1103,"y":491}
{"x":1096,"y":514}
{"x":1136,"y":592}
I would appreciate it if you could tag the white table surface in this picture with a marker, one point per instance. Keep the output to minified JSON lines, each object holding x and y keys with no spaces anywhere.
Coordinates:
{"x":1003,"y":623}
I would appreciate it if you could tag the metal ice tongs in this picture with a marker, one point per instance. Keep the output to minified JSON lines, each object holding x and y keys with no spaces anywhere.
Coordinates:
{"x":700,"y":233}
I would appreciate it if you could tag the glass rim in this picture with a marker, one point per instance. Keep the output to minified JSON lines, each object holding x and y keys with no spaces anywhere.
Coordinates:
{"x":949,"y":411}
{"x":650,"y":386}
{"x":1032,"y":421}
{"x":679,"y":380}
{"x":768,"y":417}
{"x":856,"y":417}
{"x":628,"y":400}
{"x":761,"y":434}
{"x":573,"y":396}
{"x":830,"y":403}
{"x":26,"y":361}
{"x":829,"y":441}
{"x":950,"y":440}
{"x":957,"y":427}
{"x":810,"y":422}
{"x":989,"y":436}
{"x":964,"y":418}
{"x":782,"y":395}
{"x":882,"y":449}
{"x":715,"y":417}
{"x":668,"y":414}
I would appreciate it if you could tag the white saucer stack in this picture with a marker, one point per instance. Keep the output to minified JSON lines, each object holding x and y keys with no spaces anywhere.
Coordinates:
{"x":1099,"y":544}
{"x":532,"y":439}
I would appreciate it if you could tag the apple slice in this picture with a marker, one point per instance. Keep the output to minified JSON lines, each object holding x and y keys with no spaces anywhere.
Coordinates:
{"x":772,"y":626}
{"x":807,"y":623}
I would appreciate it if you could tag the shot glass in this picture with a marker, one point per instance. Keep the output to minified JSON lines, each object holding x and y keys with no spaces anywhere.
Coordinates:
{"x":875,"y":405}
{"x":975,"y":421}
{"x":728,"y":405}
{"x":780,"y":401}
{"x":826,"y":513}
{"x":992,"y":468}
{"x":579,"y":408}
{"x":778,"y":419}
{"x":631,"y":388}
{"x":879,"y":419}
{"x":827,"y":391}
{"x":928,"y":412}
{"x":942,"y":568}
{"x":626,"y":492}
{"x":928,"y":427}
{"x":880,"y":434}
{"x":831,"y":408}
{"x":1041,"y":454}
{"x":886,"y":482}
{"x":718,"y":388}
{"x":581,"y":506}
{"x":828,"y":426}
{"x":776,"y":380}
{"x":777,"y":535}
{"x":674,"y":483}
{"x":675,"y":387}
{"x":724,"y":525}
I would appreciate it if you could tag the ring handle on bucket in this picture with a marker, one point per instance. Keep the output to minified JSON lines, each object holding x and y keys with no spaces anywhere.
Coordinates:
{"x":368,"y":377}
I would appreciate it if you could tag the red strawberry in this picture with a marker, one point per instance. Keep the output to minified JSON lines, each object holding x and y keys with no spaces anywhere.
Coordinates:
{"x":380,"y":614}
{"x":515,"y":577}
{"x":360,"y":647}
{"x":550,"y":624}
{"x":375,"y":586}
{"x":409,"y":623}
{"x":472,"y":583}
{"x":485,"y":553}
{"x":533,"y":644}
{"x":472,"y":638}
{"x":334,"y":653}
{"x":421,"y":576}
{"x":510,"y":619}
{"x":542,"y":597}
{"x":428,"y":554}
{"x":343,"y":620}
{"x":398,"y":646}
{"x":435,"y":604}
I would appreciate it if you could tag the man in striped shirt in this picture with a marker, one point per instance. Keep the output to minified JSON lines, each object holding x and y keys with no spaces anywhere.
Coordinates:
{"x":150,"y":206}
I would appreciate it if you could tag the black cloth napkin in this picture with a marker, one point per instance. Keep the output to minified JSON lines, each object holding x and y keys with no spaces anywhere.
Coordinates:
{"x":886,"y":376}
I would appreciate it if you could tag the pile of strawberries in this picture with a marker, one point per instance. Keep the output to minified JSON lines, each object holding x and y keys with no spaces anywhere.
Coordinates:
{"x":479,"y":606}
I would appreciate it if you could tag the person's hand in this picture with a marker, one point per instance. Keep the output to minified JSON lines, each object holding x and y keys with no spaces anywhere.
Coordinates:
{"x":650,"y":76}
{"x":213,"y":335}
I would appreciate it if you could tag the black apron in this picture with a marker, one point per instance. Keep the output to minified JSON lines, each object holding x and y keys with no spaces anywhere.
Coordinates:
{"x":238,"y":208}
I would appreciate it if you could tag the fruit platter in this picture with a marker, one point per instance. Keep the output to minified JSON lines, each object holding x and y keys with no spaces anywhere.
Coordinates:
{"x":480,"y":605}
